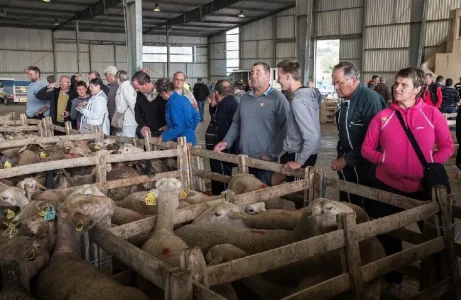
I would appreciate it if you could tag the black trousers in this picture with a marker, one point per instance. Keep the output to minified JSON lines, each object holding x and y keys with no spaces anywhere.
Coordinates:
{"x":359,"y":175}
{"x":290,"y":156}
{"x":220,"y":167}
{"x":378,"y":209}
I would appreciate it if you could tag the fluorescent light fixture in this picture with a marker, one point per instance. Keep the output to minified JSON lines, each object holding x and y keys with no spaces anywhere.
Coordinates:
{"x":241,"y":14}
{"x":156,"y":8}
{"x":56,"y":22}
{"x":47,"y":1}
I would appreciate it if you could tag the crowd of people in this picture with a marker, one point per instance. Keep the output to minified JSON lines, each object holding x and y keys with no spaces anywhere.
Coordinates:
{"x":387,"y":135}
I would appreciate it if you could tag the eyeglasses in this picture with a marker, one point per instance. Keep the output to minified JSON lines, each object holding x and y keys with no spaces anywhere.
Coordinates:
{"x":65,"y":82}
{"x":93,"y":86}
{"x":339,"y":83}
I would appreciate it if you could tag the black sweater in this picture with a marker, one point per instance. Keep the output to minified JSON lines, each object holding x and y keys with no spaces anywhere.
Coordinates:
{"x":450,"y":97}
{"x":221,"y":120}
{"x":150,"y":114}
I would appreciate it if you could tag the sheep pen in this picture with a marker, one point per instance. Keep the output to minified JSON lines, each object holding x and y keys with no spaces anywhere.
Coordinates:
{"x":178,"y":282}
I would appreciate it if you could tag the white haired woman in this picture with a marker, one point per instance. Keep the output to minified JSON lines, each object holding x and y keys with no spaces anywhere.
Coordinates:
{"x":125,"y":100}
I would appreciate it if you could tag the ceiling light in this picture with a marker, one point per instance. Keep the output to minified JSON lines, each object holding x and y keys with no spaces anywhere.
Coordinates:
{"x":47,"y":1}
{"x":2,"y":13}
{"x":56,"y":22}
{"x":156,"y":8}
{"x":241,"y":14}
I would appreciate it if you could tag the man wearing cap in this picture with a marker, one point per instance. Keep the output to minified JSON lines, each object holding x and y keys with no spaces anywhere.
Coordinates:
{"x":113,"y":87}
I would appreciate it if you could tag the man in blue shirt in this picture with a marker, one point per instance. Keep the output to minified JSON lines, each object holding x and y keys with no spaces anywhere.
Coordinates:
{"x":35,"y":108}
{"x":181,"y":117}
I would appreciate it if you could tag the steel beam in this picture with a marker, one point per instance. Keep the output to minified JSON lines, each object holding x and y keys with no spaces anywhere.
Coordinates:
{"x":91,"y":11}
{"x":134,"y":35}
{"x":304,"y":9}
{"x":78,"y":45}
{"x":196,"y":15}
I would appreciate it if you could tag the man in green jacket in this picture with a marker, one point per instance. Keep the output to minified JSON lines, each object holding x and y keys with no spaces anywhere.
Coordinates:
{"x":358,"y":106}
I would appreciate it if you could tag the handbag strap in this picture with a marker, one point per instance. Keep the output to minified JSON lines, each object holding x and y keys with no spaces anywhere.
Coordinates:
{"x":413,"y":141}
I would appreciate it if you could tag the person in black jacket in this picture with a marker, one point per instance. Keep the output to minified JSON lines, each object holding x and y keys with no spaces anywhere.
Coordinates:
{"x":60,"y":100}
{"x":149,"y":110}
{"x":359,"y":105}
{"x":222,"y":110}
{"x":200,"y":93}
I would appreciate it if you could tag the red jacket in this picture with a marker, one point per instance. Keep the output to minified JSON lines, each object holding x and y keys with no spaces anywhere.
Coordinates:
{"x":427,"y":96}
{"x":398,"y":164}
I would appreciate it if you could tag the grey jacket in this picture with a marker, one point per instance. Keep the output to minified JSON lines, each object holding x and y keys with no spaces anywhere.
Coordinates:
{"x":303,"y":133}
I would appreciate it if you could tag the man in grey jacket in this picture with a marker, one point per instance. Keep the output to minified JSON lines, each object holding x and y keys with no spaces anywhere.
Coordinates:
{"x":303,"y":134}
{"x":260,"y":122}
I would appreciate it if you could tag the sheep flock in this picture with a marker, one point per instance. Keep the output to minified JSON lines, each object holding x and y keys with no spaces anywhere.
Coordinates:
{"x":44,"y":219}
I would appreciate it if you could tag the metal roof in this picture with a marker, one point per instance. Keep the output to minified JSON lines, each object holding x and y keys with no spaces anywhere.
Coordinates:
{"x":184,"y":17}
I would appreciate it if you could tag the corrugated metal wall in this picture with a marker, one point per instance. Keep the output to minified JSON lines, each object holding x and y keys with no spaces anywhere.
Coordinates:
{"x":218,"y":57}
{"x":20,"y":48}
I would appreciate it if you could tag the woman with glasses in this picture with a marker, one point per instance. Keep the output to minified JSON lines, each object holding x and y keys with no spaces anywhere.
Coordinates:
{"x":83,"y":96}
{"x":94,"y":112}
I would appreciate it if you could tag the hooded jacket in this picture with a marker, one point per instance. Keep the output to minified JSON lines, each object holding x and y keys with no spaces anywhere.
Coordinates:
{"x":95,"y":114}
{"x":303,"y":125}
{"x":398,"y":164}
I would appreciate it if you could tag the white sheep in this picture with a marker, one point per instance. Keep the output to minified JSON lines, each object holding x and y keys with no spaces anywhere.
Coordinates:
{"x":255,"y":208}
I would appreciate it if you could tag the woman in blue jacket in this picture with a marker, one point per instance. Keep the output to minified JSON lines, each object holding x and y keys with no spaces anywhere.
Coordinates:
{"x":181,"y":117}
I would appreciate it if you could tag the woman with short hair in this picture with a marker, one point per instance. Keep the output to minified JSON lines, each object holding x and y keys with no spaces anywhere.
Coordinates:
{"x":125,"y":100}
{"x":181,"y":117}
{"x":83,"y":96}
{"x":387,"y":145}
{"x":95,"y":112}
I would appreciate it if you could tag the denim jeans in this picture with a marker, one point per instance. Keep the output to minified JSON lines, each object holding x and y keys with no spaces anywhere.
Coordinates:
{"x":449,"y":110}
{"x":201,"y":108}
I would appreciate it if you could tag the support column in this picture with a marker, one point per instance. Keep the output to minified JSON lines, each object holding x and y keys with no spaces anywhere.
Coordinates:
{"x":304,"y":10}
{"x":418,"y":31}
{"x":208,"y":58}
{"x":274,"y":41}
{"x":53,"y":47}
{"x":78,"y":45}
{"x":168,"y":63}
{"x":134,"y":32}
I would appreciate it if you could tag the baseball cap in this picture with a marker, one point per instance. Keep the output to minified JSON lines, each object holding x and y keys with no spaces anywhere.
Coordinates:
{"x":110,"y":70}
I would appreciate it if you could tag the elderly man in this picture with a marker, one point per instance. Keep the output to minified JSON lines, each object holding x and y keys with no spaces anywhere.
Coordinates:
{"x":222,"y":111}
{"x":359,"y":105}
{"x":59,"y":98}
{"x":260,"y":122}
{"x":150,"y":107}
{"x":35,"y":109}
{"x":95,"y":74}
{"x":110,"y":73}
{"x":179,"y":78}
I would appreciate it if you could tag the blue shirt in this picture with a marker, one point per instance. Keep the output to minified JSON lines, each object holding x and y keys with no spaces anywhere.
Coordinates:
{"x":181,"y":119}
{"x":33,"y":104}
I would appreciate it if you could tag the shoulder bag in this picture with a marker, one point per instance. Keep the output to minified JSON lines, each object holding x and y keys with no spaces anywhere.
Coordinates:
{"x":433,"y":173}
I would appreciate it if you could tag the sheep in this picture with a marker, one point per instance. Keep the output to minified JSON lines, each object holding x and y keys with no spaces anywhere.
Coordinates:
{"x":68,"y":276}
{"x":245,"y":183}
{"x":14,"y":196}
{"x":122,"y":172}
{"x":229,"y":214}
{"x":255,"y":208}
{"x":31,"y":184}
{"x":20,"y":259}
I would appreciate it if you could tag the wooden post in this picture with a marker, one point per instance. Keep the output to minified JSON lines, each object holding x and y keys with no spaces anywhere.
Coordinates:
{"x":243,"y":168}
{"x":448,"y":224}
{"x":40,"y":130}
{"x":50,"y":126}
{"x":68,"y":126}
{"x":307,"y":198}
{"x":319,"y":180}
{"x":22,"y":117}
{"x":147,"y":141}
{"x":192,"y":260}
{"x":351,"y":253}
{"x":199,"y":166}
{"x":183,"y":164}
{"x":13,"y":116}
{"x":179,"y":286}
{"x":45,"y":127}
{"x":102,"y":171}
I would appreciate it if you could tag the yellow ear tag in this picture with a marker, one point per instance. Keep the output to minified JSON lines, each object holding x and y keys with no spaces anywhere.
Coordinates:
{"x":10,"y":214}
{"x":79,"y":226}
{"x":97,"y":147}
{"x":6,"y":165}
{"x":42,"y":155}
{"x":42,"y":213}
{"x":13,"y":232}
{"x":183,"y":195}
{"x":11,"y":137}
{"x":150,"y":199}
{"x":11,"y":225}
{"x":68,"y":148}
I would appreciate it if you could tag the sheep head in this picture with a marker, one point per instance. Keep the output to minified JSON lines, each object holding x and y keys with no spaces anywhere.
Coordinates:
{"x":87,"y":190}
{"x":30,"y":183}
{"x":223,"y":253}
{"x":222,"y":213}
{"x":255,"y":208}
{"x":325,"y":212}
{"x":129,"y":149}
{"x":168,"y":189}
{"x":86,"y":211}
{"x":38,"y":228}
{"x":13,"y":196}
{"x":23,"y":257}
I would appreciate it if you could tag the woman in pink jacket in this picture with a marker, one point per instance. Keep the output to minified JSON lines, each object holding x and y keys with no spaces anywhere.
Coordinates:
{"x":386,"y":145}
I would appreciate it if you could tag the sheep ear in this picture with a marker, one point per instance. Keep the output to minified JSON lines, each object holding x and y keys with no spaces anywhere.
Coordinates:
{"x":40,"y":186}
{"x":236,"y":215}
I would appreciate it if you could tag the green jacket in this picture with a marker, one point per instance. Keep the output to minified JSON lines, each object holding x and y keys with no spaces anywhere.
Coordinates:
{"x":353,"y":118}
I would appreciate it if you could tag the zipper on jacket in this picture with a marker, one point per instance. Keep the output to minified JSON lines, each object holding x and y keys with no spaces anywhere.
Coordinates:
{"x":347,"y":128}
{"x":384,"y":157}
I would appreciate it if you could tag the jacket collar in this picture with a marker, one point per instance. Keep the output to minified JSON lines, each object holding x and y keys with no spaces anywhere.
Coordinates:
{"x":419,"y":103}
{"x":267,"y":92}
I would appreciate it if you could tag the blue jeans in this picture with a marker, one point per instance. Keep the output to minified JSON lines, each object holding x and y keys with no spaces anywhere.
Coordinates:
{"x":449,"y":110}
{"x":201,"y":108}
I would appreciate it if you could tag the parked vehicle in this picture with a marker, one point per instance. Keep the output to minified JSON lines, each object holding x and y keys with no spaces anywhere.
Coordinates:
{"x":15,"y":91}
{"x":2,"y":94}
